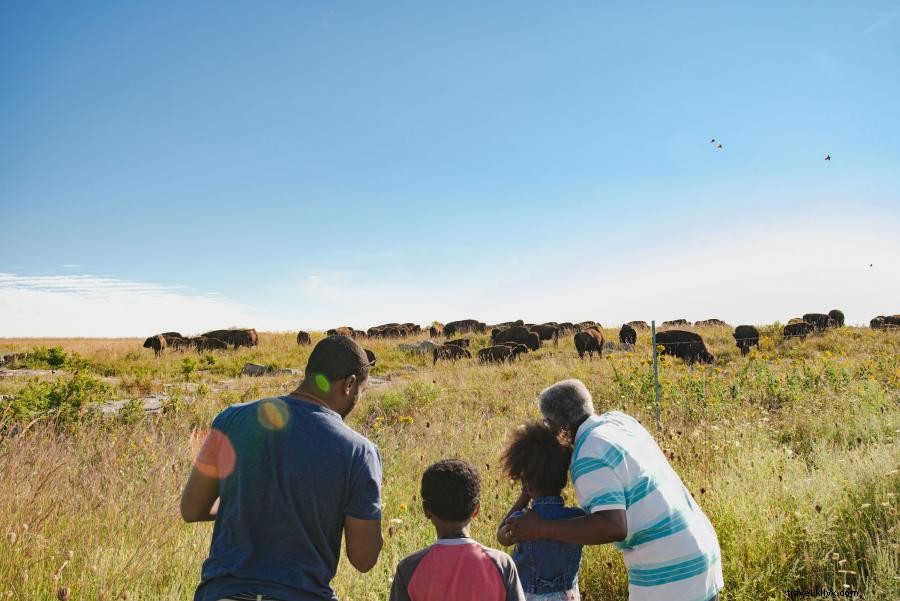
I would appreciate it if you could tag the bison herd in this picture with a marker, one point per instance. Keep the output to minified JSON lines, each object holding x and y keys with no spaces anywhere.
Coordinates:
{"x":210,"y":341}
{"x":509,"y":340}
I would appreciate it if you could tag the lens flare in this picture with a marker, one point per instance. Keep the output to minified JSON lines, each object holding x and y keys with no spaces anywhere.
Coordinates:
{"x":322,"y":383}
{"x":273,"y":414}
{"x":217,"y":457}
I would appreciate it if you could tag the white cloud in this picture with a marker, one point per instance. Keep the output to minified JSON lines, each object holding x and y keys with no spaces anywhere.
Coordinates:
{"x":86,"y":305}
{"x":884,"y":20}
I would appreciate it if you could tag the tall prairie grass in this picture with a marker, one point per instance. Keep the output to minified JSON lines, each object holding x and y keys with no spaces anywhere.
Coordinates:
{"x":793,"y":452}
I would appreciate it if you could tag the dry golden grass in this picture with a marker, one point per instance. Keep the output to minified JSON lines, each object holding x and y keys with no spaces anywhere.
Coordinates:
{"x":792,"y":452}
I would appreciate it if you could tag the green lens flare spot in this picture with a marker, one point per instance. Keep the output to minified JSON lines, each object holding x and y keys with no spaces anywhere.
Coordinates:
{"x":322,"y":383}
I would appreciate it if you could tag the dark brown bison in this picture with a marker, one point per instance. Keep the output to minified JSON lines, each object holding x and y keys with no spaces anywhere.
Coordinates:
{"x":436,"y":330}
{"x":500,"y":353}
{"x":464,"y":326}
{"x":584,"y":325}
{"x":519,"y":334}
{"x":341,"y":331}
{"x":638,"y":325}
{"x":718,"y":323}
{"x":745,"y":337}
{"x":798,"y":330}
{"x":819,"y":321}
{"x":627,"y":335}
{"x":566,"y":327}
{"x":837,"y":316}
{"x":685,"y":345}
{"x":157,"y":343}
{"x":460,"y":342}
{"x":885,"y":322}
{"x":449,"y":352}
{"x":589,"y":341}
{"x":672,"y":323}
{"x":236,"y":338}
{"x":179,"y":344}
{"x":204,"y":343}
{"x":877,"y":323}
{"x":303,"y":338}
{"x":546,"y":332}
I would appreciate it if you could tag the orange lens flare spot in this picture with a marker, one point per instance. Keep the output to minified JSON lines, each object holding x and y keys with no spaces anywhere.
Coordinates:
{"x":273,"y":414}
{"x":216,"y":458}
{"x":322,"y":383}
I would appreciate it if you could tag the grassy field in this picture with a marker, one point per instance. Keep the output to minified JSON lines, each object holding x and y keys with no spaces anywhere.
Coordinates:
{"x":793,"y":452}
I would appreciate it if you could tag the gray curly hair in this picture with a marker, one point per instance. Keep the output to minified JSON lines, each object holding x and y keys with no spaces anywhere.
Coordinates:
{"x":566,"y":403}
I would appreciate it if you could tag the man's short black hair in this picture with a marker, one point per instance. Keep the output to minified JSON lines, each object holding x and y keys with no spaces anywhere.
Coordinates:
{"x":536,"y":455}
{"x":336,"y":358}
{"x":451,"y":490}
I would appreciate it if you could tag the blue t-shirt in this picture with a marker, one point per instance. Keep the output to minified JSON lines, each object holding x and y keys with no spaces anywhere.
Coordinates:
{"x":290,"y":471}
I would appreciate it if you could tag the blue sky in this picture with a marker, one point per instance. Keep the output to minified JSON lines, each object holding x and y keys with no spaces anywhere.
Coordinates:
{"x":309,"y":164}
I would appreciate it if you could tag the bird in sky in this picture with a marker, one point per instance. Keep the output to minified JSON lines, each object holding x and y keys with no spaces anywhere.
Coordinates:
{"x":827,"y":157}
{"x":713,"y":141}
{"x":719,"y":147}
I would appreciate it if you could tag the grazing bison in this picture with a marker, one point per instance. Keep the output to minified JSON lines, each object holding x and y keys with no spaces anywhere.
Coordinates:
{"x":685,"y":345}
{"x":627,"y":335}
{"x":519,"y":334}
{"x":711,"y":323}
{"x":877,"y":323}
{"x":798,"y":330}
{"x":837,"y":316}
{"x":675,"y":323}
{"x":589,"y":341}
{"x":436,"y":331}
{"x":449,"y":352}
{"x":341,"y":331}
{"x":885,"y":322}
{"x":179,"y":344}
{"x":157,"y":343}
{"x":205,"y":343}
{"x":638,"y":325}
{"x":500,"y":353}
{"x":566,"y":327}
{"x":464,"y":326}
{"x":303,"y":338}
{"x":546,"y":332}
{"x":585,"y":325}
{"x":460,"y":342}
{"x":235,"y":338}
{"x":745,"y":337}
{"x":819,"y":321}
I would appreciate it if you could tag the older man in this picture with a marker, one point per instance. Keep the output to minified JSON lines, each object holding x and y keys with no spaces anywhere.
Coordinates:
{"x":634,"y":499}
{"x":283,"y":478}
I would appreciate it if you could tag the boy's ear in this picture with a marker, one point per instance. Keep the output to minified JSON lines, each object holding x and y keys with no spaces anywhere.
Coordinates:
{"x":477,"y":510}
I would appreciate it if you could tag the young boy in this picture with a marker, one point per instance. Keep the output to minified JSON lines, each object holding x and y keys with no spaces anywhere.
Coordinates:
{"x":536,"y":457}
{"x":455,"y":567}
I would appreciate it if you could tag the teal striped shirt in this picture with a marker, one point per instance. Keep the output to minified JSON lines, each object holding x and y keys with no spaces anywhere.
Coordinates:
{"x":671,"y":550}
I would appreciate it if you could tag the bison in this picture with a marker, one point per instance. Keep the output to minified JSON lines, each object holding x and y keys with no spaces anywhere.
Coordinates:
{"x":519,"y":334}
{"x":589,"y":341}
{"x":460,"y":342}
{"x":500,"y":353}
{"x":798,"y":330}
{"x":449,"y":352}
{"x":819,"y":321}
{"x":464,"y":326}
{"x":341,"y":331}
{"x":157,"y":343}
{"x":837,"y":316}
{"x":745,"y":337}
{"x":627,"y":335}
{"x":436,"y":330}
{"x":638,"y":325}
{"x":205,"y":343}
{"x":685,"y":345}
{"x":672,"y":323}
{"x":718,"y":323}
{"x":303,"y":338}
{"x":235,"y":338}
{"x":547,"y":332}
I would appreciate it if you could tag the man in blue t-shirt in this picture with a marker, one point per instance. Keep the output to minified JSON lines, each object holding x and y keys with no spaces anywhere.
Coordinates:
{"x":283,"y":478}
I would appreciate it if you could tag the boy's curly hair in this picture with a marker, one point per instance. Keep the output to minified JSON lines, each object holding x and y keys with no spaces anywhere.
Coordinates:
{"x":538,"y":456}
{"x":451,"y":490}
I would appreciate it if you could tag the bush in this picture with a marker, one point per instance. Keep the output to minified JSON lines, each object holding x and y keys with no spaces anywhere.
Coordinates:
{"x":68,"y":400}
{"x":188,"y":366}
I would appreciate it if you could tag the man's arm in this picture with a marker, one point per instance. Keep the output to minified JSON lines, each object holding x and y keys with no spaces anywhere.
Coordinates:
{"x":595,"y":529}
{"x":521,"y":503}
{"x":199,"y":499}
{"x":364,"y":542}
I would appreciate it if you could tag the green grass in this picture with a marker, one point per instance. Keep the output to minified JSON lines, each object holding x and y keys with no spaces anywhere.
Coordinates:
{"x":793,"y":452}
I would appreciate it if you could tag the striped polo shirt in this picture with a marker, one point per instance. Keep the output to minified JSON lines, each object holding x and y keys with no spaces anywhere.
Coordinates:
{"x":671,"y":550}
